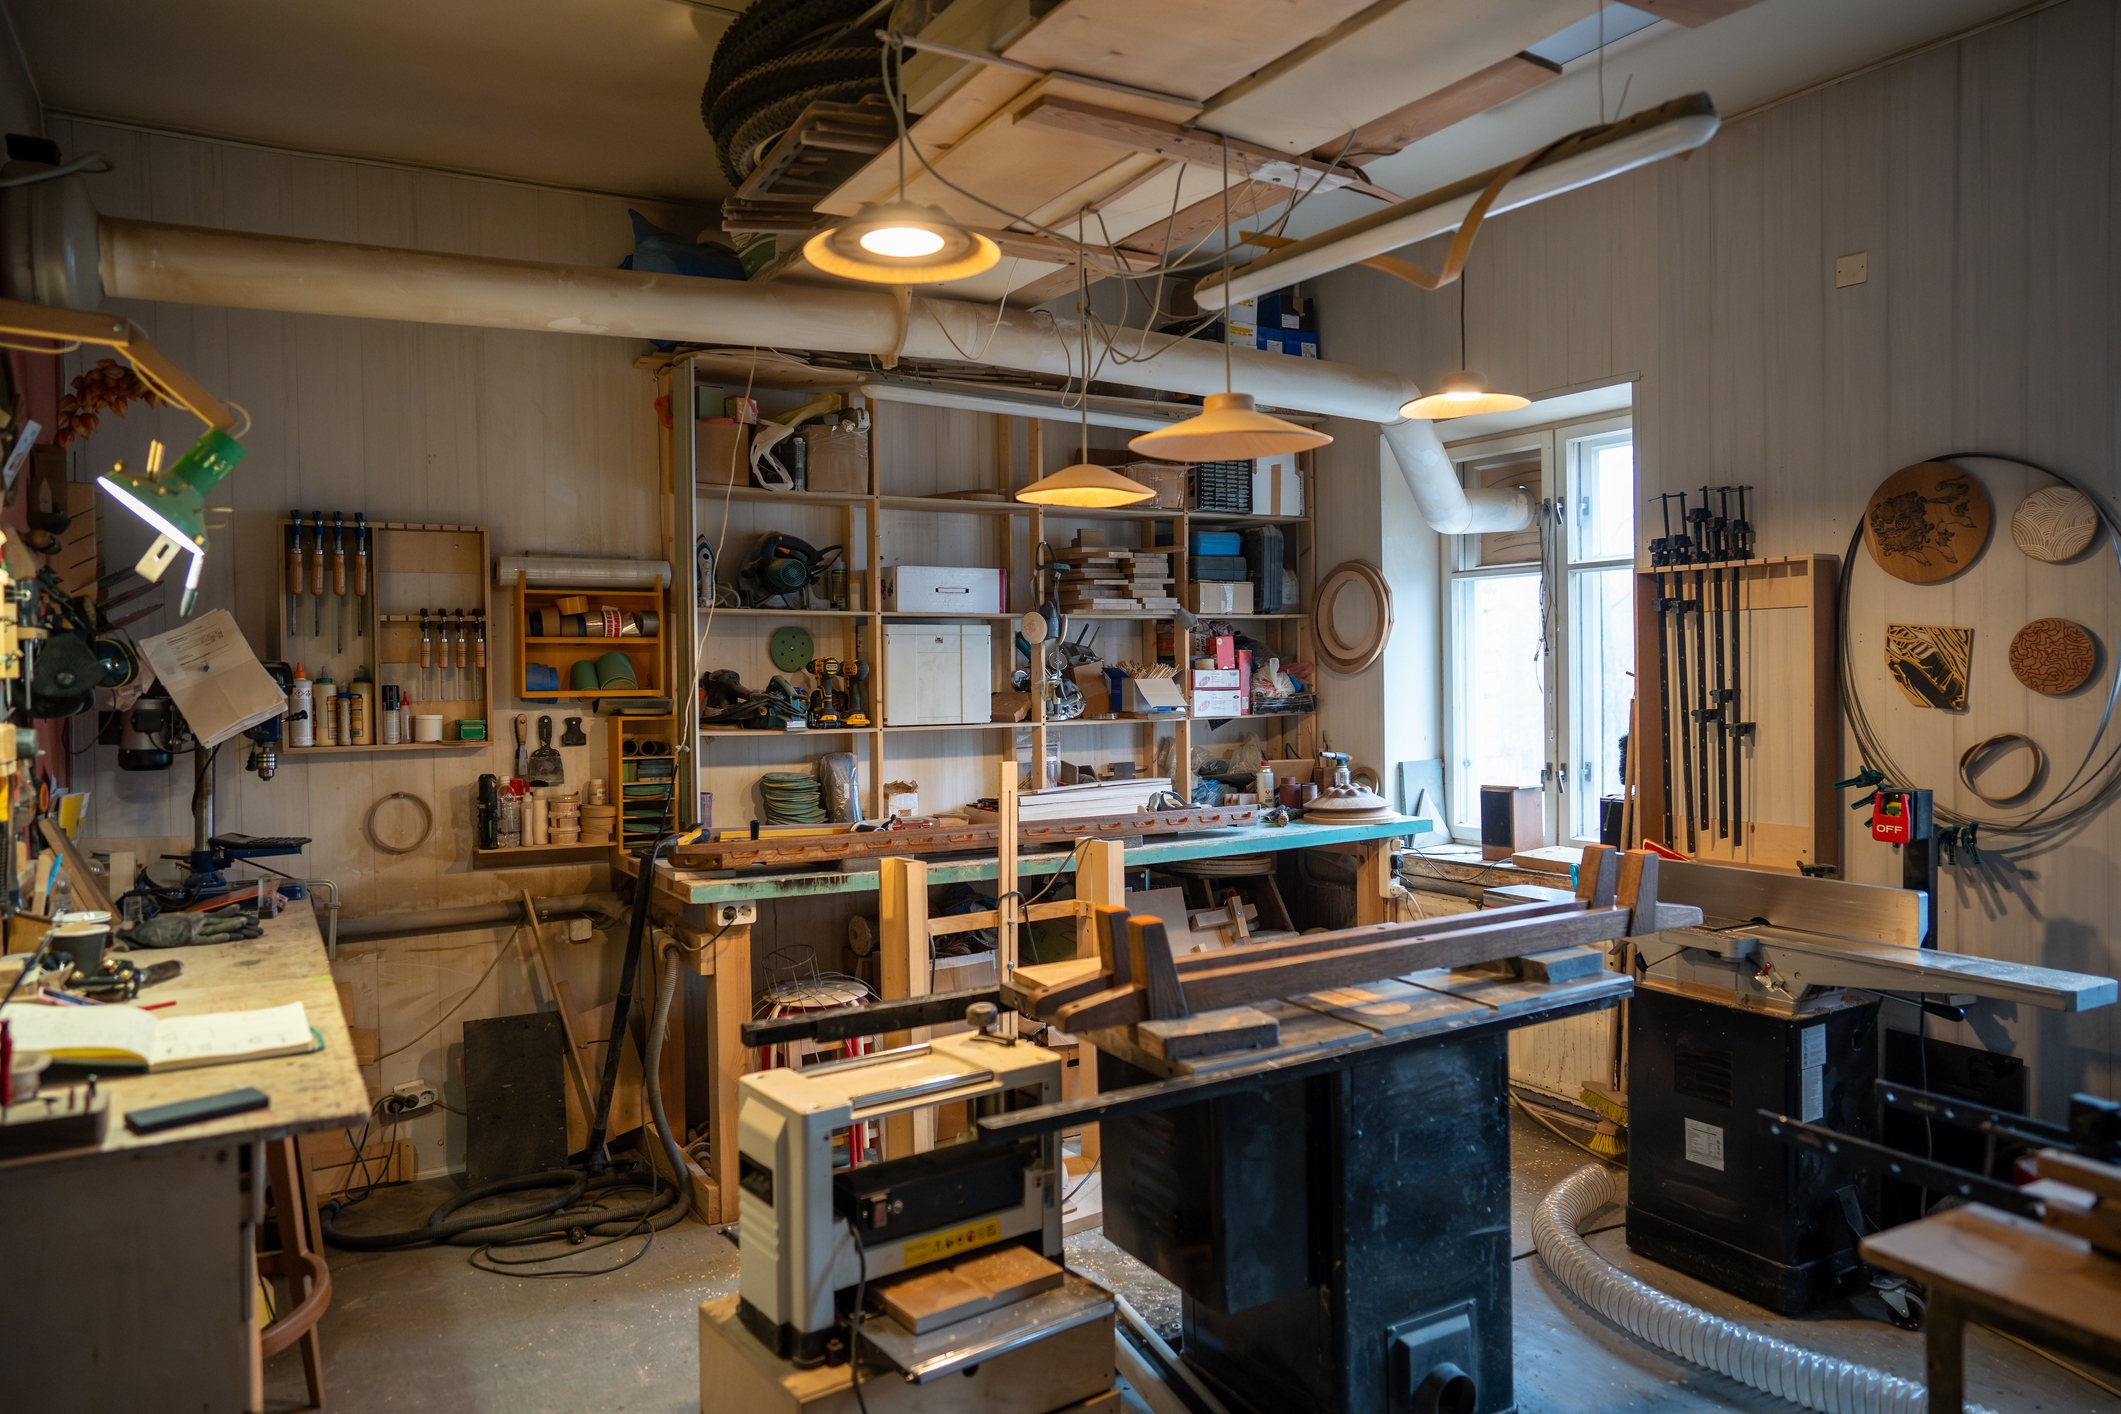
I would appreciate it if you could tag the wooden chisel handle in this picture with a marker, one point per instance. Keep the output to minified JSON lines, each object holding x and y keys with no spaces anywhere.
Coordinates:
{"x":317,"y":560}
{"x":360,"y":568}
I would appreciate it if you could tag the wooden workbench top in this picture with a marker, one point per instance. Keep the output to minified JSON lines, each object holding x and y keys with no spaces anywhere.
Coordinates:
{"x":697,"y":886}
{"x":1996,"y":1261}
{"x":313,"y":1091}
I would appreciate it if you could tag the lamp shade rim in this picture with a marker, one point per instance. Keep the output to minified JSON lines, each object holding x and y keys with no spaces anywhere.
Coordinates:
{"x":838,"y":250}
{"x":1085,"y":485}
{"x":1228,"y":428}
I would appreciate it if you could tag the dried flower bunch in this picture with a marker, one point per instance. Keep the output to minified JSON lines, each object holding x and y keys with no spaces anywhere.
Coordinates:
{"x":109,"y":385}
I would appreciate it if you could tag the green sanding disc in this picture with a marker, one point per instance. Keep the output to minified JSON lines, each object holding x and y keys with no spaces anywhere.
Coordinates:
{"x":791,"y":648}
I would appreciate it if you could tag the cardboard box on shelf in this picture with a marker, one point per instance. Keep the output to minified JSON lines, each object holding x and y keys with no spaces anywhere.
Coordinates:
{"x":1152,"y":695}
{"x":721,"y":453}
{"x":1218,"y":704}
{"x":1220,"y":596}
{"x":1277,"y":486}
{"x":839,"y":461}
{"x":1214,"y":680}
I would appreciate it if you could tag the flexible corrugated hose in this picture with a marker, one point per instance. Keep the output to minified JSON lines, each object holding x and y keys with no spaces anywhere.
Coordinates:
{"x":1803,"y":1377}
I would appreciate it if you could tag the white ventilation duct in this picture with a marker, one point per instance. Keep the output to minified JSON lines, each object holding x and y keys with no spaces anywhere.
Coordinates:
{"x":1671,"y":130}
{"x":49,"y":262}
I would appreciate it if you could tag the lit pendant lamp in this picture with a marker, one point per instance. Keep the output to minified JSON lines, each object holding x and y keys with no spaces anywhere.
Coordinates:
{"x":1084,"y":484}
{"x":1228,"y":427}
{"x":1462,"y":393}
{"x":901,"y":242}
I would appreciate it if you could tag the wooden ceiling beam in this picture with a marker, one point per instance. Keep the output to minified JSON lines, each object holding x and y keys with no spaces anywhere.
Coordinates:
{"x":1452,"y":104}
{"x":1192,"y":146}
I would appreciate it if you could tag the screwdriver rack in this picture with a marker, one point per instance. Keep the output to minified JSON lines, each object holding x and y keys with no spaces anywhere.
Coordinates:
{"x":411,"y":567}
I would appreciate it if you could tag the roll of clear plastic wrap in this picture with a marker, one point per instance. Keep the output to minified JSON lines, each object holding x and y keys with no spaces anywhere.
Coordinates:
{"x":572,"y":573}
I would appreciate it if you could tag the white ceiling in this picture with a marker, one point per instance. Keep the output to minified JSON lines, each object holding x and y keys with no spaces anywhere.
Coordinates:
{"x":604,"y":94}
{"x":597,"y":94}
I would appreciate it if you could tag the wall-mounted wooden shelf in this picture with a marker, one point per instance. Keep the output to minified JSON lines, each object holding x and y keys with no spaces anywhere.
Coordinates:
{"x":560,"y":653}
{"x":443,"y":564}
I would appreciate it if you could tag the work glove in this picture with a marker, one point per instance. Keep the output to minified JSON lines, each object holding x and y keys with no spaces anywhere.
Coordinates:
{"x":188,"y":930}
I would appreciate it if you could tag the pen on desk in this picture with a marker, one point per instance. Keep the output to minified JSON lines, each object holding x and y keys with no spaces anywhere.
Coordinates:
{"x":156,"y":1006}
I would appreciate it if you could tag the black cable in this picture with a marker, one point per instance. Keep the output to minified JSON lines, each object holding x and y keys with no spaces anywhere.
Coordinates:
{"x":854,"y":1320}
{"x":1079,"y":1183}
{"x":655,"y":1181}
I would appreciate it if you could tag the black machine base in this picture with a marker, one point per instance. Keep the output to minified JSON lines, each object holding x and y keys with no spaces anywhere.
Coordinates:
{"x":1779,"y":1286}
{"x":1710,"y":1192}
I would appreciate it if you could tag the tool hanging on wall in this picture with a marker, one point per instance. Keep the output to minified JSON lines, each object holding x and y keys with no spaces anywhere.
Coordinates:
{"x":316,"y":576}
{"x":1740,"y":533}
{"x":338,"y":573}
{"x":1671,"y":610}
{"x":360,"y":574}
{"x":1715,"y":552}
{"x":445,"y":673}
{"x":479,"y":656}
{"x":294,"y":577}
{"x":1697,"y":555}
{"x":426,"y":657}
{"x":522,"y":747}
{"x":1660,"y":553}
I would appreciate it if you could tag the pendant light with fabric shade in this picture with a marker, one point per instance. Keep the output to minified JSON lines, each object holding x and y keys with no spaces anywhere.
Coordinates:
{"x":1228,"y":427}
{"x":901,"y":242}
{"x":1462,"y":393}
{"x":1083,"y":484}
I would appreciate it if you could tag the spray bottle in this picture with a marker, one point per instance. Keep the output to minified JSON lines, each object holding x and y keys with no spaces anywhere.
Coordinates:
{"x":301,"y":726}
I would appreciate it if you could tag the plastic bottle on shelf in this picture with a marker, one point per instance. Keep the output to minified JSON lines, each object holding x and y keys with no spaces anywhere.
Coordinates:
{"x":327,"y":713}
{"x":364,"y":708}
{"x":390,"y":714}
{"x":301,"y":709}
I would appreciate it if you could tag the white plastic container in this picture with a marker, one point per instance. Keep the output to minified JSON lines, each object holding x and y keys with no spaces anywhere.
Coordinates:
{"x":941,"y":589}
{"x":301,"y":711}
{"x":938,"y":674}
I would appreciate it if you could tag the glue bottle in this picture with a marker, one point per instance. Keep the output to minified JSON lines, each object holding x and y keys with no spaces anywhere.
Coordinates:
{"x":363,"y":707}
{"x":301,"y":730}
{"x":327,"y":715}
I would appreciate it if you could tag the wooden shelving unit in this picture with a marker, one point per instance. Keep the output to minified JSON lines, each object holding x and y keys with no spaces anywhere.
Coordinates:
{"x":644,"y":651}
{"x":861,"y":630}
{"x":412,"y":566}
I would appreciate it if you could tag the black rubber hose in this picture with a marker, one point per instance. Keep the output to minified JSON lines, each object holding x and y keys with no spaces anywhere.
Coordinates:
{"x":657,"y":1028}
{"x":439,"y":1229}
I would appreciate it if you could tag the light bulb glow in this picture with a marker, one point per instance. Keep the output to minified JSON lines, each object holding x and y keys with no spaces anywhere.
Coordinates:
{"x":148,"y":513}
{"x":905,"y":242}
{"x":1462,"y":396}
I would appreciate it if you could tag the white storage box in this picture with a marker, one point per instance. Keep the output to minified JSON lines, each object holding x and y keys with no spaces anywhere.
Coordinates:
{"x":1218,"y":704}
{"x":1277,"y":486}
{"x":1216,"y":680}
{"x":941,"y":589}
{"x":1152,"y":695}
{"x":938,"y":674}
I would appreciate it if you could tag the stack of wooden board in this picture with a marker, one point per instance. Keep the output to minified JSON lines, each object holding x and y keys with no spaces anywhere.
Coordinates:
{"x":1106,"y":579}
{"x":1076,"y":802}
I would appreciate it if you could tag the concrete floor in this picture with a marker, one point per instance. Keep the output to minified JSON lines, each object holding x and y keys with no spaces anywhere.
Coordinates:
{"x":420,"y":1330}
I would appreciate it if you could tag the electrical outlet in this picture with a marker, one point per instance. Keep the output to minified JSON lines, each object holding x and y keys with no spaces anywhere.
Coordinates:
{"x":409,"y":1096}
{"x":1852,"y":269}
{"x":729,"y":915}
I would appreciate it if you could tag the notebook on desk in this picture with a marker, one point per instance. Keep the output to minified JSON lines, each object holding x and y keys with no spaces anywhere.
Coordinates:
{"x":129,"y":1038}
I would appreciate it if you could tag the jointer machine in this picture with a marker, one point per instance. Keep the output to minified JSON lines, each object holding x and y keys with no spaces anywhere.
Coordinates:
{"x":1309,"y":1136}
{"x":1774,"y":1003}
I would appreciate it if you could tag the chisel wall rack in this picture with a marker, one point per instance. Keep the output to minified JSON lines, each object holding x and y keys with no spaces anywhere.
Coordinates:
{"x":1793,"y":815}
{"x":411,"y":567}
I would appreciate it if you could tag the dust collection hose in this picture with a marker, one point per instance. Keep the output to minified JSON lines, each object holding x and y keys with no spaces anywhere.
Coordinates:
{"x":1790,"y":1372}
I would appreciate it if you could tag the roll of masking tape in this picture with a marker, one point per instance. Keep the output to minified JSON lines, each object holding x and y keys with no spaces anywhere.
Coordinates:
{"x":427,"y":728}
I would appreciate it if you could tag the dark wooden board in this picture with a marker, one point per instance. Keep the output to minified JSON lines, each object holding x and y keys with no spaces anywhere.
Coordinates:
{"x":515,"y":1096}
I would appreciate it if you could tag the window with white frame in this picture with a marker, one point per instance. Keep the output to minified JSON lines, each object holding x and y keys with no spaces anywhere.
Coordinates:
{"x":1539,"y":627}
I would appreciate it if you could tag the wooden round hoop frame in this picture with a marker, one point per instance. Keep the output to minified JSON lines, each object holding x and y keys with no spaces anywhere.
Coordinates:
{"x":1339,"y":654}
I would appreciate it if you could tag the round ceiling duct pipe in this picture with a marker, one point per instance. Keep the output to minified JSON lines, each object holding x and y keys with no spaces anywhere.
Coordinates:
{"x":245,"y":270}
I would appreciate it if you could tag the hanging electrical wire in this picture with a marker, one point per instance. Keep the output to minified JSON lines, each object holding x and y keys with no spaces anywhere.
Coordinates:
{"x":2047,"y":824}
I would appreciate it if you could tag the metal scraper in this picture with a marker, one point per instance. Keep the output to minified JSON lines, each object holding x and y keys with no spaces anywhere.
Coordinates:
{"x":522,"y":747}
{"x":545,"y":762}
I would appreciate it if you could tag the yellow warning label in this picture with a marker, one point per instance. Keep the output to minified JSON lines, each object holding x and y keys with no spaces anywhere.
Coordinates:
{"x":958,"y":1239}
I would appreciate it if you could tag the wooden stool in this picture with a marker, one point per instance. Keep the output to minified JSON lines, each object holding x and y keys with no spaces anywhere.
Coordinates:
{"x":299,"y":1262}
{"x":1254,"y":871}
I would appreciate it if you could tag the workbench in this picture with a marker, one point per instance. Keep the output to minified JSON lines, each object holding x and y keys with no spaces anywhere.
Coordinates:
{"x":2011,"y":1274}
{"x":688,"y":900}
{"x":137,"y":1260}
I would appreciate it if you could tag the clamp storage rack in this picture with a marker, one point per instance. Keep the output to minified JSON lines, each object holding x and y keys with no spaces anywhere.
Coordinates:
{"x":412,"y":567}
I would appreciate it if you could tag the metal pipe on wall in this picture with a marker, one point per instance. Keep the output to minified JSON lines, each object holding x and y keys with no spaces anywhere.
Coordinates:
{"x":479,"y":915}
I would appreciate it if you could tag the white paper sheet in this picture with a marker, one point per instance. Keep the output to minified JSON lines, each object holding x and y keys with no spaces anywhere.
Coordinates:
{"x":213,"y":677}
